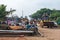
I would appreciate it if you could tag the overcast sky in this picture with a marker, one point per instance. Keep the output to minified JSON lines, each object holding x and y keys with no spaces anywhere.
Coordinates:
{"x":30,"y":6}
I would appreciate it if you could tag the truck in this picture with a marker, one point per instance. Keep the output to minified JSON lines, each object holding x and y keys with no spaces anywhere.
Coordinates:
{"x":17,"y":29}
{"x":50,"y":24}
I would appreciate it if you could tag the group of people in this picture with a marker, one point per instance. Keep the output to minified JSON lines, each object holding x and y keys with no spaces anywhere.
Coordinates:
{"x":26,"y":23}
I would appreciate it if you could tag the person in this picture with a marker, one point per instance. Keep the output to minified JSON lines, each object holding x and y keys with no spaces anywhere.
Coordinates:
{"x":9,"y":22}
{"x":38,"y":23}
{"x":17,"y":24}
{"x":32,"y":24}
{"x":28,"y":26}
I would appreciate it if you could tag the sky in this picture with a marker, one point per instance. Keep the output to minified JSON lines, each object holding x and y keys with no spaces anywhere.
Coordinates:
{"x":30,"y":6}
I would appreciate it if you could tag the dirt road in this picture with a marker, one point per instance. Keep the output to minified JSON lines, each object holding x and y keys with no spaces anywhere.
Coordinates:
{"x":51,"y":34}
{"x":46,"y":34}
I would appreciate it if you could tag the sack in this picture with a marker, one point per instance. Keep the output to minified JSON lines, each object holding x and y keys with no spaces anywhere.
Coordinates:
{"x":15,"y":27}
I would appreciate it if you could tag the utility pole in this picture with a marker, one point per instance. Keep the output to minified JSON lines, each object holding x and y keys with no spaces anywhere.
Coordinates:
{"x":22,"y":13}
{"x":11,"y":13}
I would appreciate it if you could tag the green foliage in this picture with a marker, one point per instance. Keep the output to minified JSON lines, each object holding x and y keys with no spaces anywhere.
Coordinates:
{"x":58,"y":20}
{"x":55,"y":15}
{"x":39,"y":13}
{"x":3,"y":12}
{"x":52,"y":14}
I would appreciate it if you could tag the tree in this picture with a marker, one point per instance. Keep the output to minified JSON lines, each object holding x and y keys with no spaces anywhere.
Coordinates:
{"x":58,"y":20}
{"x":3,"y":11}
{"x":41,"y":12}
{"x":52,"y":14}
{"x":55,"y":15}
